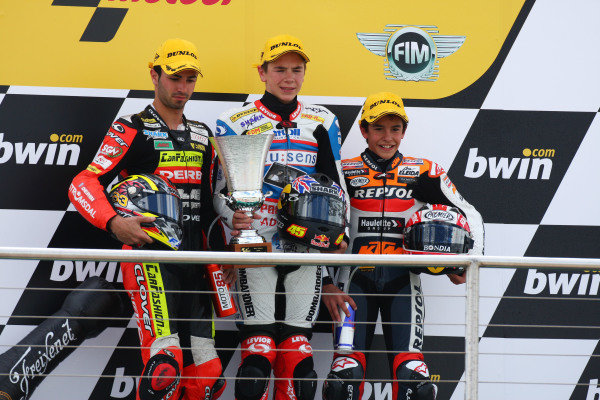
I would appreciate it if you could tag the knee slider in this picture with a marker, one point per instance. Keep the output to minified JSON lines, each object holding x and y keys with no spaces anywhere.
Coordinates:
{"x":306,"y":386}
{"x":414,"y":382}
{"x":344,"y":379}
{"x":254,"y":373}
{"x":161,"y":375}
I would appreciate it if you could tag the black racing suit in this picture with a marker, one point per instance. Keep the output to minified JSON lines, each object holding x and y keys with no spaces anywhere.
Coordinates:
{"x":143,"y":143}
{"x":384,"y":194}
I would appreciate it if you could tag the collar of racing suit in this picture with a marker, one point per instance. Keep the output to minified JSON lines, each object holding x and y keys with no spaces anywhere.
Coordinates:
{"x":156,"y":115}
{"x":282,"y":109}
{"x":379,"y":164}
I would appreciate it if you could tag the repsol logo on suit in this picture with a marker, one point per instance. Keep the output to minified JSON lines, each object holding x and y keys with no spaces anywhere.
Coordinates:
{"x":380,"y":192}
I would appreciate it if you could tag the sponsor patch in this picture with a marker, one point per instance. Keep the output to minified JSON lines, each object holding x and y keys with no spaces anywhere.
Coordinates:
{"x":196,"y":137}
{"x":111,"y":151}
{"x":297,"y":158}
{"x":410,"y":171}
{"x":198,"y":129}
{"x":312,"y":117}
{"x":359,"y":181}
{"x":343,"y":363}
{"x":389,"y":192}
{"x":241,"y":114}
{"x":413,"y":161}
{"x":252,"y":120}
{"x":320,"y":241}
{"x":352,"y":164}
{"x":118,"y":127}
{"x":180,"y":159}
{"x":163,"y":145}
{"x":439,"y":215}
{"x":377,"y":224}
{"x":260,"y":129}
{"x":355,"y":172}
{"x":102,"y":161}
{"x":154,"y":125}
{"x":155,"y":134}
{"x":93,"y":169}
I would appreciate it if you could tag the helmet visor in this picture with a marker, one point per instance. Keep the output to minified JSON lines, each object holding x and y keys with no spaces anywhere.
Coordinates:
{"x":438,"y":237}
{"x":162,"y":204}
{"x":317,"y":207}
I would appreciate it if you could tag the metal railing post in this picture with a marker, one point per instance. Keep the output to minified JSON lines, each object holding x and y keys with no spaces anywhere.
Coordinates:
{"x":472,"y":332}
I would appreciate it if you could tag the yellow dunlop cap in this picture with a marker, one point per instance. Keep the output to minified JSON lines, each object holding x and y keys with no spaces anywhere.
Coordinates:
{"x":279,"y":45}
{"x":380,"y":104}
{"x":175,"y":55}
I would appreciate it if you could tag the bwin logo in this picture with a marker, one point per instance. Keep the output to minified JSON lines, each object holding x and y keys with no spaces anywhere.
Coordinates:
{"x":412,"y":52}
{"x":503,"y":167}
{"x":31,"y":153}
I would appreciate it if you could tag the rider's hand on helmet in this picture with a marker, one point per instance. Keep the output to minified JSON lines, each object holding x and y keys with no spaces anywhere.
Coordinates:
{"x":242,"y":221}
{"x":458,"y":279}
{"x":339,"y":250}
{"x":129,"y":230}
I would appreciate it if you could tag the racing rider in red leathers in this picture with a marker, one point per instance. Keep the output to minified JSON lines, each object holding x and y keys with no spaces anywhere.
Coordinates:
{"x":386,"y":189}
{"x":161,"y":140}
{"x":307,"y":140}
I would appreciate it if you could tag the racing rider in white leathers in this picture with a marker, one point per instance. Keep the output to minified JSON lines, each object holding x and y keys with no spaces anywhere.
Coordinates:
{"x":386,"y":189}
{"x":307,"y":140}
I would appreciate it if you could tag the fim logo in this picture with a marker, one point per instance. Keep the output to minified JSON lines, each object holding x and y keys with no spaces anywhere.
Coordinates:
{"x":536,"y":164}
{"x":412,"y":52}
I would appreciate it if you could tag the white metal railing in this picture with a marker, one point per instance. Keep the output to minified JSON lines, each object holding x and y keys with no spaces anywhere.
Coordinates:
{"x":471,"y":263}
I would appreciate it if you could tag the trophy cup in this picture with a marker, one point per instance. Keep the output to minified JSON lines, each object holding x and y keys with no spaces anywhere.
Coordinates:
{"x":243,"y":159}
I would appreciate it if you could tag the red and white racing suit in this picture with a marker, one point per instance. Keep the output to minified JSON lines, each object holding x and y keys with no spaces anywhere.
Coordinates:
{"x":307,"y":140}
{"x":143,"y":143}
{"x":384,"y":194}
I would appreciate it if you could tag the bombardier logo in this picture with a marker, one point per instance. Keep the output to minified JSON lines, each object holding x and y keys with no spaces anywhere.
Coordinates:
{"x":36,"y":153}
{"x":537,"y":167}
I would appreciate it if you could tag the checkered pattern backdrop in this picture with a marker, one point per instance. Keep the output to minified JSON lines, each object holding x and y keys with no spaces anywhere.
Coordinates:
{"x":520,"y":144}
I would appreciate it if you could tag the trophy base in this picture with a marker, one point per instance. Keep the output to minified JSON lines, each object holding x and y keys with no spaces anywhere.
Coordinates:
{"x":247,"y":248}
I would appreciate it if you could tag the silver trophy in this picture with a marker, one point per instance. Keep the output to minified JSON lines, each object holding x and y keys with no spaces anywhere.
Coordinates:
{"x":243,"y":159}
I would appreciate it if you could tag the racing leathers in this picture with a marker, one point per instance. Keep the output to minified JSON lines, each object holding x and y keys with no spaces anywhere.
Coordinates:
{"x":384,"y":194}
{"x":143,"y":143}
{"x":306,"y":140}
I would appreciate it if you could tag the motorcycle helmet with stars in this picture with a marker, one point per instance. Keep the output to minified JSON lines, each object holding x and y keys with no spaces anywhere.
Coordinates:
{"x":151,"y":195}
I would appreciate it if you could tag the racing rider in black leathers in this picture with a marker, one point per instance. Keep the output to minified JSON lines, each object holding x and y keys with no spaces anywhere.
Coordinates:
{"x":306,"y":140}
{"x":386,"y":189}
{"x":160,"y":140}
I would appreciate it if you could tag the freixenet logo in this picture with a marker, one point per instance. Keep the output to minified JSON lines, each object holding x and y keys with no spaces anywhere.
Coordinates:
{"x":106,"y":21}
{"x":536,"y":164}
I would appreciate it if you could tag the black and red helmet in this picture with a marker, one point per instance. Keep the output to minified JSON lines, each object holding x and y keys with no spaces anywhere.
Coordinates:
{"x":311,"y":211}
{"x":151,"y":195}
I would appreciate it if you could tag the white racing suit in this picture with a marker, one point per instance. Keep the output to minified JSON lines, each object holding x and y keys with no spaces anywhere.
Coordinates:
{"x":383,"y":196}
{"x":306,"y":142}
